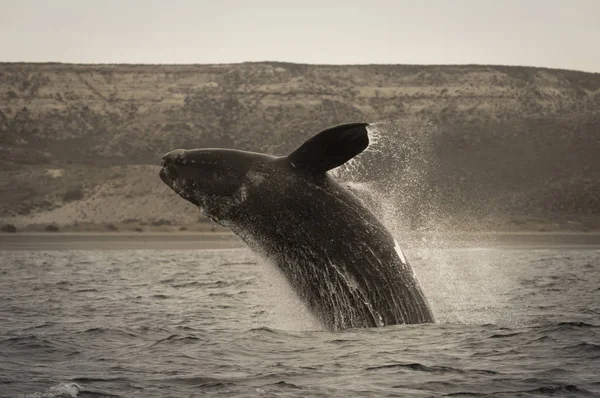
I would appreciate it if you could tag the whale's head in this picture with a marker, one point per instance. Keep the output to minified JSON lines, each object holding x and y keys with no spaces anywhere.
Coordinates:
{"x":207,"y":177}
{"x":217,"y":180}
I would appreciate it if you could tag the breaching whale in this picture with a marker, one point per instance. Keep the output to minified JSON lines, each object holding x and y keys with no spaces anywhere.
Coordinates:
{"x":340,"y":260}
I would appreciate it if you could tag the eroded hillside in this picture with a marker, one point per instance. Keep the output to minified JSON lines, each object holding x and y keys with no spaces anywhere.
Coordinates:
{"x":512,"y":140}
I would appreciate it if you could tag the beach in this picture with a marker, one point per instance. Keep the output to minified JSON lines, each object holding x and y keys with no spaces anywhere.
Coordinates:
{"x":227,"y":240}
{"x":118,"y":241}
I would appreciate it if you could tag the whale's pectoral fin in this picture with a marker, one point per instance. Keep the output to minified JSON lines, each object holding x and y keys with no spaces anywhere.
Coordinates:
{"x":331,"y":148}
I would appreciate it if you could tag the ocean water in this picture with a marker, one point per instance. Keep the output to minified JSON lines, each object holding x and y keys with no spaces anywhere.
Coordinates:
{"x":510,"y":322}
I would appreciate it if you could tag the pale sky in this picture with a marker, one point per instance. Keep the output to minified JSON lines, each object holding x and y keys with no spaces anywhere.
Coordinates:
{"x":551,"y":33}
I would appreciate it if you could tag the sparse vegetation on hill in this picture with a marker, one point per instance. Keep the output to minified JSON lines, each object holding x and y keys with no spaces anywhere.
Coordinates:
{"x":8,"y":228}
{"x":77,"y":141}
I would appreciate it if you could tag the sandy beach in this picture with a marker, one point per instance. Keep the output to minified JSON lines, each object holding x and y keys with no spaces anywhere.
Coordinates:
{"x":226,"y":240}
{"x":119,"y":241}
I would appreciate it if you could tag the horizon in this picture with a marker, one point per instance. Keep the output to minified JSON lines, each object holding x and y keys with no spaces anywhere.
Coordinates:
{"x":536,"y":33}
{"x":286,"y":62}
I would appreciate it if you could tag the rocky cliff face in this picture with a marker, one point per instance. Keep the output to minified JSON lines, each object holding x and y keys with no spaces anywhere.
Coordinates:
{"x":525,"y":138}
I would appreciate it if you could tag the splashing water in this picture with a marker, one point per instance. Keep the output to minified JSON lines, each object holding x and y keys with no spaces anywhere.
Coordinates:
{"x":396,"y":178}
{"x":395,"y":174}
{"x":63,"y":390}
{"x":284,"y":310}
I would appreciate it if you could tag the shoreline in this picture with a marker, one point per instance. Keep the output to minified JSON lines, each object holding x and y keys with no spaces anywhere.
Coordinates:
{"x":186,"y":240}
{"x":119,"y":241}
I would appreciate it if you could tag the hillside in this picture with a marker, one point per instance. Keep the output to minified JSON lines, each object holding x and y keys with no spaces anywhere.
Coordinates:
{"x":510,"y":143}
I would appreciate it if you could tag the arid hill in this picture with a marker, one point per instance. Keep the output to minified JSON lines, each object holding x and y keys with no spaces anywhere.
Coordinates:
{"x":514,"y":143}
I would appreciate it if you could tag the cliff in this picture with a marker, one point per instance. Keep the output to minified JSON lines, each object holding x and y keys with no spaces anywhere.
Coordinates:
{"x":511,"y":142}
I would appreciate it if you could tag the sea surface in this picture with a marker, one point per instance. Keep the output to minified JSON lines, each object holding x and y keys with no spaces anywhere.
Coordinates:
{"x":511,"y":321}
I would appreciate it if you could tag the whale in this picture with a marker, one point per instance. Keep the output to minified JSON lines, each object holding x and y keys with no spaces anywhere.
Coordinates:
{"x":337,"y":256}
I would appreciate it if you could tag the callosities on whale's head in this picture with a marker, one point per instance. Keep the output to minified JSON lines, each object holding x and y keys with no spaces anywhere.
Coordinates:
{"x":209,"y":178}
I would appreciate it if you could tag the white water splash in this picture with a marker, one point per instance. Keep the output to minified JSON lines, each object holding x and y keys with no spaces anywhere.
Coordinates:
{"x":395,"y":174}
{"x":62,"y":390}
{"x":285,"y":310}
{"x":395,"y":177}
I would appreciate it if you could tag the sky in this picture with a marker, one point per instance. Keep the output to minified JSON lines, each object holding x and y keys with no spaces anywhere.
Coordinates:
{"x":550,"y":33}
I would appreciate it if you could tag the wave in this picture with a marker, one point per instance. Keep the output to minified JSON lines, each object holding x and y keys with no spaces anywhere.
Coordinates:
{"x":276,"y":334}
{"x":177,"y":339}
{"x":554,"y":391}
{"x":570,"y":389}
{"x":40,"y":326}
{"x":576,"y":325}
{"x":28,"y":342}
{"x":266,"y":329}
{"x":214,"y":385}
{"x":62,"y":390}
{"x":87,"y":290}
{"x":197,"y":381}
{"x":502,"y":336}
{"x":227,"y":264}
{"x":433,"y":369}
{"x":213,"y":285}
{"x":108,"y":332}
{"x":84,"y":379}
{"x":284,"y":384}
{"x":221,"y":294}
{"x":547,"y":328}
{"x":584,"y":348}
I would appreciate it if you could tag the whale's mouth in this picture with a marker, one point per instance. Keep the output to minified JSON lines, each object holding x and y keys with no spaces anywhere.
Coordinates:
{"x":168,"y":175}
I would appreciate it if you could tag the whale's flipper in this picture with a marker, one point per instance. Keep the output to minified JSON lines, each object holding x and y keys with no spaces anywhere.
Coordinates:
{"x":331,"y":148}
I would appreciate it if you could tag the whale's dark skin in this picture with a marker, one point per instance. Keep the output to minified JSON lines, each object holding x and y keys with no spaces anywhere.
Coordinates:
{"x":341,"y":261}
